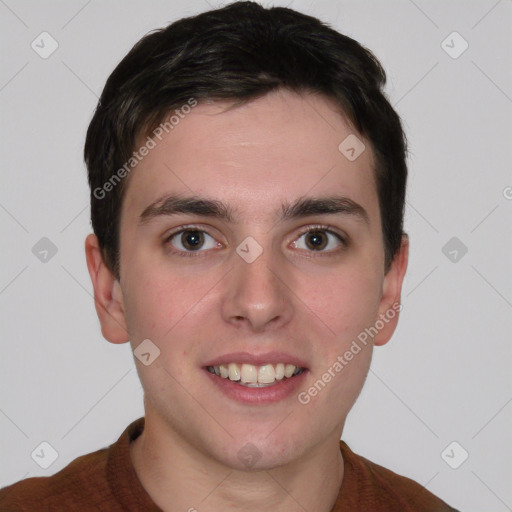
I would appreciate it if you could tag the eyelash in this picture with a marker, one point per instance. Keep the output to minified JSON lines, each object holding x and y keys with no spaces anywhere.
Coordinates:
{"x":342,"y":239}
{"x":185,"y":254}
{"x":312,"y":254}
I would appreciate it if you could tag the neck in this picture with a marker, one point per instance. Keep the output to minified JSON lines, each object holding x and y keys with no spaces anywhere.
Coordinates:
{"x":193,"y":481}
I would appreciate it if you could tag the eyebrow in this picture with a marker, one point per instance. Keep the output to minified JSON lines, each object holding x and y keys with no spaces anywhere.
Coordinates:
{"x":302,"y":207}
{"x":331,"y":205}
{"x":172,"y":205}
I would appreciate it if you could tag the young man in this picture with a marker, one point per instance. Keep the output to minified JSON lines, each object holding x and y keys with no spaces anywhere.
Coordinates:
{"x":247,"y":192}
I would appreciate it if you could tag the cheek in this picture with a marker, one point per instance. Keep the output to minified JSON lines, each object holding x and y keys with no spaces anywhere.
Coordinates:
{"x":345,"y":302}
{"x":347,"y":384}
{"x":151,"y":305}
{"x":166,"y":305}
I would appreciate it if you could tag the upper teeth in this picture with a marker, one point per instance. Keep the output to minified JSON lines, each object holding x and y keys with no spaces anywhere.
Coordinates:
{"x":254,"y":375}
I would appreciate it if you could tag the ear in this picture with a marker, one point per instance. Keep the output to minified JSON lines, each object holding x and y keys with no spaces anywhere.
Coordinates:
{"x":389,"y":307}
{"x":108,"y":296}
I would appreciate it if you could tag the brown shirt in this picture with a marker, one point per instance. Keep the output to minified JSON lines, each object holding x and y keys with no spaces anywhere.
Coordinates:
{"x":106,"y":481}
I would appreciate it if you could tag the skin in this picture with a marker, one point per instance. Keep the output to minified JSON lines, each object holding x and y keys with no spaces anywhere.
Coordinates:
{"x":311,"y":304}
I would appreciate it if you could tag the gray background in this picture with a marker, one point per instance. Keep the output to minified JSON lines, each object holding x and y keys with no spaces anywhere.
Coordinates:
{"x":444,"y":377}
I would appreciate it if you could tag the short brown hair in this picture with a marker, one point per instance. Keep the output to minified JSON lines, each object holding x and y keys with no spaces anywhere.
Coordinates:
{"x":240,"y":52}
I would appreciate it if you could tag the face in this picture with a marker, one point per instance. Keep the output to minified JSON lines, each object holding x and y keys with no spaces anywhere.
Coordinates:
{"x":251,"y":243}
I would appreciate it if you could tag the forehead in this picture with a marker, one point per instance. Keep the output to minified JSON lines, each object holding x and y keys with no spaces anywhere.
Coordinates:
{"x":268,"y":151}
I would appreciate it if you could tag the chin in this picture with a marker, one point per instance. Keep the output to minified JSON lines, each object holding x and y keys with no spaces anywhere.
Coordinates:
{"x":260,"y":450}
{"x":252,"y":456}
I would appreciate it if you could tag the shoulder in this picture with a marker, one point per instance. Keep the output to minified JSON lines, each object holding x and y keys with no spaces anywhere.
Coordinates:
{"x":385,"y":490}
{"x":83,"y":481}
{"x":104,"y":480}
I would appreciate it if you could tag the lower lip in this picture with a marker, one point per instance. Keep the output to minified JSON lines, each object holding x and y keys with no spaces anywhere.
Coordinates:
{"x":279,"y":391}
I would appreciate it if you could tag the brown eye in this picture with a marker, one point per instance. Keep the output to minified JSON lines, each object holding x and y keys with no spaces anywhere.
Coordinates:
{"x":316,"y":240}
{"x":319,"y":240}
{"x":190,"y":240}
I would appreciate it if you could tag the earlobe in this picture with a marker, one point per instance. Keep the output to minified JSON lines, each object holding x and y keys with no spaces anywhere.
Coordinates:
{"x":390,"y":304}
{"x":108,"y":295}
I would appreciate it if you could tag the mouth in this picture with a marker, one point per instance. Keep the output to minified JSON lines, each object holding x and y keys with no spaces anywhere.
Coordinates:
{"x":257,"y":379}
{"x":252,"y":376}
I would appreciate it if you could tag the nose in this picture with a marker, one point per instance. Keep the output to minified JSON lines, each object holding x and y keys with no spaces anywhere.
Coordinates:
{"x":258,"y":296}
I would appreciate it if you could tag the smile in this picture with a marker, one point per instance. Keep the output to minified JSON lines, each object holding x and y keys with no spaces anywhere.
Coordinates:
{"x":256,"y":376}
